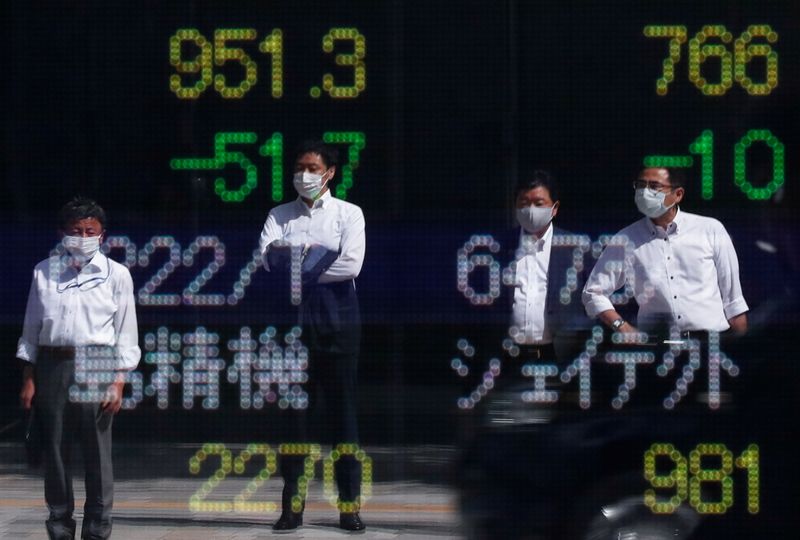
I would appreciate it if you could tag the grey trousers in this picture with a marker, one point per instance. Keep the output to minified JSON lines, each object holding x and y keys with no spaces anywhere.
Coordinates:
{"x":63,"y":420}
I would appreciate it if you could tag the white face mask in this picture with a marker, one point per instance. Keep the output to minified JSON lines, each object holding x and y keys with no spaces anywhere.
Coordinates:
{"x":309,"y":185}
{"x":81,"y":247}
{"x":651,"y":203}
{"x":535,"y":218}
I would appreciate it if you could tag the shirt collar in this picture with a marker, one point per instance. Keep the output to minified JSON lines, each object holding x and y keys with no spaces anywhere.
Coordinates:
{"x":672,"y":228}
{"x":322,"y":202}
{"x":97,"y":264}
{"x":537,"y":243}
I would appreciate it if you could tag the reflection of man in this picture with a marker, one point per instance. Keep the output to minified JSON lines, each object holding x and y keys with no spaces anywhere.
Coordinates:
{"x":78,"y":306}
{"x":544,"y":326}
{"x":331,"y":233}
{"x":683,"y":267}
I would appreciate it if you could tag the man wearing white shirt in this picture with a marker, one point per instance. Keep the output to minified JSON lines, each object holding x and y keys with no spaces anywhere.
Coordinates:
{"x":331,"y":234}
{"x":547,"y":320}
{"x":80,"y":306}
{"x":681,"y":267}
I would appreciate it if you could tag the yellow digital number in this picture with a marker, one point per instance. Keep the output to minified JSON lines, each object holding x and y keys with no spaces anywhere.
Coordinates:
{"x":745,"y":52}
{"x":223,"y":54}
{"x":354,"y":60}
{"x":676,"y":479}
{"x":720,"y":475}
{"x":201,"y":64}
{"x":677,"y":35}
{"x":699,"y":52}
{"x":273,"y":45}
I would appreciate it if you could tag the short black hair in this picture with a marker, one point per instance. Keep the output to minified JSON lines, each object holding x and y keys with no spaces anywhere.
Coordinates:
{"x":80,"y":208}
{"x":329,"y":154}
{"x":677,"y":178}
{"x":676,"y":175}
{"x":539,"y":178}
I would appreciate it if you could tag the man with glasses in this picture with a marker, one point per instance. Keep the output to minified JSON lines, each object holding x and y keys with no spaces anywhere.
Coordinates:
{"x":682,"y":267}
{"x":81,"y":314}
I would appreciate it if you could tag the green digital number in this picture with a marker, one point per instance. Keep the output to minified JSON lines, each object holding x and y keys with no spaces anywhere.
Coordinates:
{"x":273,"y":148}
{"x":356,"y":141}
{"x":223,"y":157}
{"x":704,"y":147}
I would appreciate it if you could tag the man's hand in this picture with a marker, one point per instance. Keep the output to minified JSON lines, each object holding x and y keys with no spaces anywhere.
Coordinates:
{"x":113,"y":400}
{"x":27,"y":393}
{"x":28,"y":389}
{"x":738,"y":324}
{"x":279,"y":255}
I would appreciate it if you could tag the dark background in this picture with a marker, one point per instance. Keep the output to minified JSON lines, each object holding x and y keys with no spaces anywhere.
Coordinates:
{"x":462,"y":99}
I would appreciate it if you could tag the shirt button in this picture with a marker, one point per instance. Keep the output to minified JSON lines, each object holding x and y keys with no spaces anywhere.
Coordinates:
{"x":669,"y":258}
{"x":671,"y":277}
{"x":679,"y":316}
{"x":675,"y":297}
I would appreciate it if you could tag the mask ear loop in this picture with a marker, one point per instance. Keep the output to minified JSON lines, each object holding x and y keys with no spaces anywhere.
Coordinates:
{"x":78,"y":285}
{"x":322,"y":187}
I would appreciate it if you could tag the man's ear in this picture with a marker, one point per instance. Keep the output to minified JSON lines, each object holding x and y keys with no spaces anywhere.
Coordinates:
{"x":555,"y":208}
{"x":679,"y":194}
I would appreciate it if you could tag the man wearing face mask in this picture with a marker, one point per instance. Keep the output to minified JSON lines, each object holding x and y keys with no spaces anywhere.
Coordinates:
{"x":545,"y":328}
{"x":330,"y":233}
{"x":683,"y":267}
{"x":80,"y":302}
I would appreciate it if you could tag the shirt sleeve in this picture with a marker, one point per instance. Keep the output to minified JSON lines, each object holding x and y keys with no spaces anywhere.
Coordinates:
{"x":28,"y":345}
{"x":352,"y":247}
{"x":125,"y":325}
{"x":269,"y":234}
{"x":727,"y":264}
{"x":608,"y":275}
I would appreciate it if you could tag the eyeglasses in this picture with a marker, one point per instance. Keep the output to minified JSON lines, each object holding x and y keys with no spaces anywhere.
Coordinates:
{"x":652,"y":186}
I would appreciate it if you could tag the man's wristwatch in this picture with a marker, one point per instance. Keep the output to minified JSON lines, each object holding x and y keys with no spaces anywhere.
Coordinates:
{"x":616,"y":325}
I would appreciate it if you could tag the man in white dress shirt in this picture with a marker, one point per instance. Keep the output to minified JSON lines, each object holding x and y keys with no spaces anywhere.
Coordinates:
{"x":682,"y":267}
{"x":331,"y":234}
{"x":80,"y":309}
{"x":548,"y":322}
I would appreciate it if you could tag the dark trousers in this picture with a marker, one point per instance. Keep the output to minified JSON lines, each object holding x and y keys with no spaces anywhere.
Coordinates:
{"x":331,"y":417}
{"x":332,"y":333}
{"x":61,"y":420}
